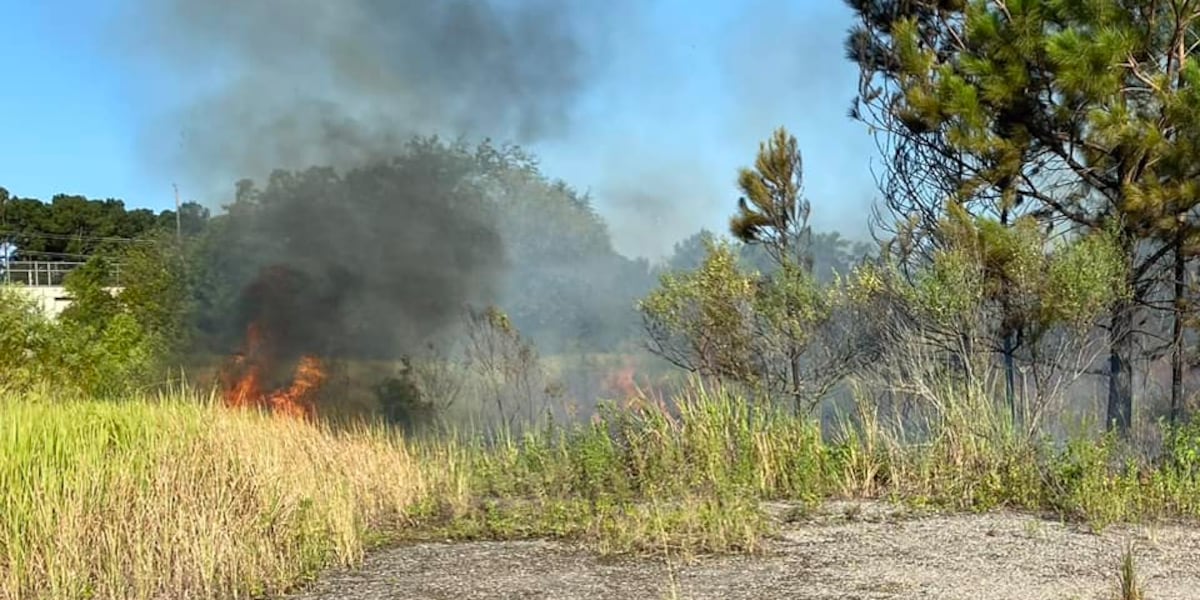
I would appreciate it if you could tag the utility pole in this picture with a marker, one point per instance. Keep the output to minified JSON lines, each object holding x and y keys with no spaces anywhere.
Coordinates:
{"x":178,"y":222}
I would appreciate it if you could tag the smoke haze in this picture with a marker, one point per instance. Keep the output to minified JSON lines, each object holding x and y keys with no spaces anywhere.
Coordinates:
{"x":365,"y":263}
{"x":591,"y":88}
{"x":649,"y":111}
{"x":386,"y":252}
{"x":295,"y":83}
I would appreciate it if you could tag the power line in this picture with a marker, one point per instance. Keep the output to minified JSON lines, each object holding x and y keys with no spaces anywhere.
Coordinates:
{"x":72,"y":237}
{"x":24,"y":253}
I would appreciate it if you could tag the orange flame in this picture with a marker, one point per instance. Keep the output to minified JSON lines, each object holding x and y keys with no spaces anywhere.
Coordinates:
{"x":622,"y":381}
{"x":243,"y":381}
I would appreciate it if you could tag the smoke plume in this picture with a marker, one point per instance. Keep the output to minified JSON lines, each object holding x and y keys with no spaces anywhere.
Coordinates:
{"x":610,"y":88}
{"x":295,"y":83}
{"x":364,"y":263}
{"x":377,"y":254}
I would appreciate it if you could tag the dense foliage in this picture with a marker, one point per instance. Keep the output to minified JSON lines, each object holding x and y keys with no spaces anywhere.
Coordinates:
{"x":1080,"y":115}
{"x":74,"y":227}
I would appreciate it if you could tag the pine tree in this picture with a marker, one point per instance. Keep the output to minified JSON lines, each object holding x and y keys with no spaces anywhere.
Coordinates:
{"x":773,"y":213}
{"x":1083,"y":113}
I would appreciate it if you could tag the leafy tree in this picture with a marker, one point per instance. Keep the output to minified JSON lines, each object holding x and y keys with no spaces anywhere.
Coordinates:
{"x":689,"y":253}
{"x":403,"y":402}
{"x":103,"y":345}
{"x":73,"y":228}
{"x":92,"y":302}
{"x":990,"y":279}
{"x":96,"y":347}
{"x":782,"y":332}
{"x":1084,"y":114}
{"x":703,"y":320}
{"x":832,"y":255}
{"x":26,"y":336}
{"x":157,"y":290}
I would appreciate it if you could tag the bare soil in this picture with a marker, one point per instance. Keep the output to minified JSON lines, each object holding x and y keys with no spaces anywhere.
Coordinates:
{"x":860,"y":550}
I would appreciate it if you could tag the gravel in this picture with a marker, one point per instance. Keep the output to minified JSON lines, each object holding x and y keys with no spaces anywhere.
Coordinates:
{"x":861,"y":550}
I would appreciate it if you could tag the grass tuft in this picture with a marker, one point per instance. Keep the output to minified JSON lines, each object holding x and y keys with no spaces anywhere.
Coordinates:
{"x":1128,"y":579}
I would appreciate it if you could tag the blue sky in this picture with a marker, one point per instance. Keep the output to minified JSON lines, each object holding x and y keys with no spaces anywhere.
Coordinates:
{"x":681,"y":104}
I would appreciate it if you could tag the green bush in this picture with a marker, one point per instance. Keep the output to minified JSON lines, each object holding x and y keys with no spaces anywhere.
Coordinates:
{"x":95,"y":348}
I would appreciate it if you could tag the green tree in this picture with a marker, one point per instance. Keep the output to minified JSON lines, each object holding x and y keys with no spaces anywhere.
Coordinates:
{"x":26,"y":341}
{"x":703,"y":320}
{"x":92,"y":302}
{"x":772,"y":211}
{"x":782,"y":332}
{"x":157,"y":290}
{"x":773,"y":214}
{"x":990,"y":279}
{"x":1082,"y":113}
{"x":73,"y":228}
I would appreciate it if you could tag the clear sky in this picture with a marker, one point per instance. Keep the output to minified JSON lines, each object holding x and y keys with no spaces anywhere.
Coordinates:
{"x":684,"y":99}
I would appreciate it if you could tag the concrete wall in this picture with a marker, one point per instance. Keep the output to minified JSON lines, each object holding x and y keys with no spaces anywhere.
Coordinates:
{"x":51,"y":298}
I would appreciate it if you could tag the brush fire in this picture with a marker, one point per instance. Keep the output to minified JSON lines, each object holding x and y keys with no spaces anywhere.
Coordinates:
{"x":245,"y":379}
{"x":267,"y":372}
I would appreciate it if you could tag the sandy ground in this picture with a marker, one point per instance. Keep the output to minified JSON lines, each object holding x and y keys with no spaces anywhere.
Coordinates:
{"x":845,"y":550}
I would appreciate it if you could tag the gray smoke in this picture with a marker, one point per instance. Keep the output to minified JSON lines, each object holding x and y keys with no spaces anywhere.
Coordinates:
{"x":376,"y":255}
{"x":368,"y":263}
{"x":295,"y":83}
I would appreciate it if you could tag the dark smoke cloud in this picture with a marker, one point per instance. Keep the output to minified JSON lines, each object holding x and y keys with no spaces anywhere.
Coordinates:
{"x":369,"y":263}
{"x":292,"y":83}
{"x":295,"y":83}
{"x":377,"y":256}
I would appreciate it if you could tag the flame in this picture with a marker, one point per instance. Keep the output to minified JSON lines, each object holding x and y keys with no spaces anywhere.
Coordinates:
{"x":242,"y":380}
{"x":295,"y":401}
{"x":622,"y":381}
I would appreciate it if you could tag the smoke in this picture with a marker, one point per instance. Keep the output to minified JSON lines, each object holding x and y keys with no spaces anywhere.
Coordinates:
{"x":686,"y":103}
{"x":366,"y":263}
{"x":295,"y":83}
{"x":655,"y":129}
{"x":380,"y":253}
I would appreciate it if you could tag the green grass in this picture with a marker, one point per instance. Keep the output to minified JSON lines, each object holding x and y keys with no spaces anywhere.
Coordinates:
{"x":176,"y":497}
{"x":1127,"y":579}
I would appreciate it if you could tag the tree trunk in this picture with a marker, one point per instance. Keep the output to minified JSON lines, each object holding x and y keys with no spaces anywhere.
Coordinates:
{"x":1120,"y":368}
{"x":1177,"y":336}
{"x":1009,"y":349}
{"x":1010,"y":375}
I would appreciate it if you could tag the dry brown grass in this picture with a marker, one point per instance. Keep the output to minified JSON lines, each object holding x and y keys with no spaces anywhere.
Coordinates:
{"x":184,"y":500}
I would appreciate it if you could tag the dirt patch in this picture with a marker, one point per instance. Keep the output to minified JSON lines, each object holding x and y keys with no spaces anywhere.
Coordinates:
{"x":844,"y":550}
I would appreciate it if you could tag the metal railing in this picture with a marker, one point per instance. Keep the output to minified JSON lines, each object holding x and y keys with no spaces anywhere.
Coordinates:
{"x":40,"y":273}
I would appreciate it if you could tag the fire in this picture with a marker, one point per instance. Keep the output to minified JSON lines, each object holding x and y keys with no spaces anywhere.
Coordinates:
{"x":243,"y":379}
{"x":623,"y":381}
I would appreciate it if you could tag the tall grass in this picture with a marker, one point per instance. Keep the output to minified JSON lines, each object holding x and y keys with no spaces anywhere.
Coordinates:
{"x":969,"y":456}
{"x":694,"y":471}
{"x":180,"y":499}
{"x":175,"y":498}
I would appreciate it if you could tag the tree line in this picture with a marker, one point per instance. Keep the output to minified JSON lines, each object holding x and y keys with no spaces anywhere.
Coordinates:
{"x":72,"y":227}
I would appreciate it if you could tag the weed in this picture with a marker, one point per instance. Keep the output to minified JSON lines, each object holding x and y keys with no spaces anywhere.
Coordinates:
{"x":852,"y":512}
{"x":1127,"y":578}
{"x":1033,"y":528}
